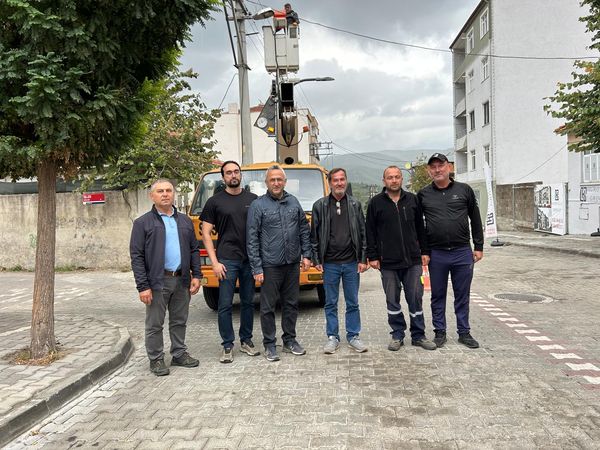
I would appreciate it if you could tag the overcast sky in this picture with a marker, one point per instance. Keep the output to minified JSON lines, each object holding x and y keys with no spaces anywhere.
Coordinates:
{"x":384,"y":96}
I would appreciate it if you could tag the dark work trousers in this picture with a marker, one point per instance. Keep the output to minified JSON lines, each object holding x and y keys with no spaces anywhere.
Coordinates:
{"x":458,"y":263}
{"x":410,"y":279}
{"x":174,"y":297}
{"x":281,"y":282}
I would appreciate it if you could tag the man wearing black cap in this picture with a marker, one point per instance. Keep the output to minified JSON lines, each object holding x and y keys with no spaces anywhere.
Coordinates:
{"x":448,"y":207}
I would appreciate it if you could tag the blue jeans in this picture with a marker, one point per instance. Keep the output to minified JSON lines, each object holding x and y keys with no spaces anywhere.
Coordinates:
{"x":236,"y":270}
{"x":348,"y":273}
{"x":459,"y":264}
{"x":410,"y":279}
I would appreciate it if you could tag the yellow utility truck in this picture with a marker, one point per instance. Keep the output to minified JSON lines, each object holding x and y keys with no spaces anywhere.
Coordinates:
{"x":307,"y":182}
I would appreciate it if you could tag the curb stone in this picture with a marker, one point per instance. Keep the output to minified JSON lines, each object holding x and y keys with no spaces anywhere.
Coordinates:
{"x":53,"y":398}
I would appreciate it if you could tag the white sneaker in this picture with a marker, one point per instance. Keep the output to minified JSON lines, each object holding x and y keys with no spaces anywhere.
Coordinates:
{"x":356,"y":344}
{"x":331,"y":346}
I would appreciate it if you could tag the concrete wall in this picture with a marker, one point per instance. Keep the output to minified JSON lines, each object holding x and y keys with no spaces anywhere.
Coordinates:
{"x":91,"y":236}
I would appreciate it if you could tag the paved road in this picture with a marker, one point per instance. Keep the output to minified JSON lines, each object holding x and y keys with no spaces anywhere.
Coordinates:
{"x":533,"y":384}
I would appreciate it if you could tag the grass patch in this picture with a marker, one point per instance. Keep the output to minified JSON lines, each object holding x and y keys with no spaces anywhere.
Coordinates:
{"x":70,"y":268}
{"x":23,"y":357}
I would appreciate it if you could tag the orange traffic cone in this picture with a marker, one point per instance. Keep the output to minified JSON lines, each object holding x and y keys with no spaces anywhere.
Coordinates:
{"x":425,"y":279}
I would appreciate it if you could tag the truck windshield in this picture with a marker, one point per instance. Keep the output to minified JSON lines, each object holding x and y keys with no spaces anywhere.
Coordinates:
{"x":305,"y":184}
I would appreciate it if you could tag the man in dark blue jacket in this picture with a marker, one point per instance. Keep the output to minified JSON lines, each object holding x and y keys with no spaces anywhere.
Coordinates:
{"x":277,"y":236}
{"x":395,"y":243}
{"x":164,"y":250}
{"x":448,"y":207}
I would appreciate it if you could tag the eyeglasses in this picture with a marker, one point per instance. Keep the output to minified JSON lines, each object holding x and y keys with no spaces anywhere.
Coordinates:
{"x":339,"y":208}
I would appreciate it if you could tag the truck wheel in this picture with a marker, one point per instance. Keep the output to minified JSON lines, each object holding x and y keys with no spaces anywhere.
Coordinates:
{"x":321,"y":295}
{"x":211,"y":297}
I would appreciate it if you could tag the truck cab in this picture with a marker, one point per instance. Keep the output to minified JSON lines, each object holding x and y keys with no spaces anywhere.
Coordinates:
{"x":307,"y":182}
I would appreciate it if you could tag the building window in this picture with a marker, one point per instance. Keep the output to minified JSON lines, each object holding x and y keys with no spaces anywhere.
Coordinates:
{"x":470,"y":40}
{"x":591,"y":167}
{"x":486,"y":113}
{"x":472,"y":154}
{"x":486,"y":155}
{"x":471,"y":120}
{"x":470,"y":79}
{"x":485,"y":68}
{"x":484,"y":23}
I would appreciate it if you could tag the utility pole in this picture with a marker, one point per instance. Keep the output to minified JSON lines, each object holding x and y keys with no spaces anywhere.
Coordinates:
{"x":240,"y":15}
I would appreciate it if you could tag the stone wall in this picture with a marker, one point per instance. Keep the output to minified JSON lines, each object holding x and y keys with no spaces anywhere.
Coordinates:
{"x":90,"y":236}
{"x":514,"y":205}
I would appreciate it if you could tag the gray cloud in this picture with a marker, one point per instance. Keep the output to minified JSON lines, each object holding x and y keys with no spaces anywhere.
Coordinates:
{"x":383,"y":96}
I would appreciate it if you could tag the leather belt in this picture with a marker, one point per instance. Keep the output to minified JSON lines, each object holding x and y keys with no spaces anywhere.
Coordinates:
{"x":172,"y":273}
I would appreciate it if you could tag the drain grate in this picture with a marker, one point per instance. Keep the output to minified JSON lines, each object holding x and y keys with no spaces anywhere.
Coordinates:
{"x":527,"y":298}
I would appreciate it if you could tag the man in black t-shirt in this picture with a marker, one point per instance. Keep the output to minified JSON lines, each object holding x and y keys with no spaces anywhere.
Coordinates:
{"x":339,"y":251}
{"x":226,"y":212}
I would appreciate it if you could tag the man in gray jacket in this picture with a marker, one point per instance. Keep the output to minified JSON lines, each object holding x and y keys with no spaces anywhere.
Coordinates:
{"x":277,"y":236}
{"x":339,"y":243}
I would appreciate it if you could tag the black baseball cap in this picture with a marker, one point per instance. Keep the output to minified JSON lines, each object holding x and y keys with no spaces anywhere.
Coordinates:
{"x":438,"y":156}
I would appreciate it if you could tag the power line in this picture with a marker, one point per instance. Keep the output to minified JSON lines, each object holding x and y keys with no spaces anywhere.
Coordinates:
{"x":227,"y":90}
{"x":544,"y":163}
{"x":435,"y":49}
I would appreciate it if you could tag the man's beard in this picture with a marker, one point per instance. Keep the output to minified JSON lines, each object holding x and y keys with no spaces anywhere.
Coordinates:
{"x":233,"y":183}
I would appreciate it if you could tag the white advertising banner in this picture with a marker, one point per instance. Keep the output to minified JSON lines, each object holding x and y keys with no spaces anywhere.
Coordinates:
{"x":491,"y":229}
{"x":550,"y":209}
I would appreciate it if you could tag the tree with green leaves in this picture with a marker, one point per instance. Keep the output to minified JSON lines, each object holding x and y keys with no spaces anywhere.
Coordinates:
{"x":419,"y":177}
{"x":177,"y":141}
{"x":578,"y":101}
{"x":76,"y":80}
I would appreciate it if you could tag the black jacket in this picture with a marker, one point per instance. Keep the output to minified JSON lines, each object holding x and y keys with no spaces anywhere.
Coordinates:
{"x":319,"y":228}
{"x":447,"y":213}
{"x":147,"y":250}
{"x":395,"y":232}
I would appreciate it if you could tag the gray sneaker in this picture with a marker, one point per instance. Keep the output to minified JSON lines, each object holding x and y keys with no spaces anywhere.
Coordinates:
{"x":249,"y":348}
{"x":159,"y":368}
{"x":424,"y":343}
{"x":294,"y":348}
{"x":271,"y":353}
{"x":226,"y":355}
{"x":331,"y":346}
{"x":395,"y":344}
{"x":356,"y":344}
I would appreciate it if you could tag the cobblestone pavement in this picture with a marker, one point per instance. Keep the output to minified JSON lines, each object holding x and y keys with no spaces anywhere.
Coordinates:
{"x":532,"y":384}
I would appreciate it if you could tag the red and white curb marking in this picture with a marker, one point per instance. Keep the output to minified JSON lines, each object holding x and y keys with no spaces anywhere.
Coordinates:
{"x":575,"y":364}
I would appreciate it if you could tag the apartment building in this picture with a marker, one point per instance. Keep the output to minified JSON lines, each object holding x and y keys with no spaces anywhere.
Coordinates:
{"x":506,"y":60}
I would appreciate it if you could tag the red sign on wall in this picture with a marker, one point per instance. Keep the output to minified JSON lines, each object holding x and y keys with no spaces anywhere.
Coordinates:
{"x":92,"y":198}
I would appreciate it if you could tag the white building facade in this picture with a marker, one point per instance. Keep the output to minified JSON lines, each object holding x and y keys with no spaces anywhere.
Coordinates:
{"x":229,"y":141}
{"x":500,"y":88}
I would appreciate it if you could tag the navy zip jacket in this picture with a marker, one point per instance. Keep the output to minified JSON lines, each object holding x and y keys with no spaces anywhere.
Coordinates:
{"x":395,"y":231}
{"x":277,"y":232}
{"x":147,"y":250}
{"x":447,"y":213}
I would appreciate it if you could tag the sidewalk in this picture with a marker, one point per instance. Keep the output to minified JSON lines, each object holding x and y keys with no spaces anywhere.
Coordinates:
{"x":584,"y":245}
{"x":30,"y":393}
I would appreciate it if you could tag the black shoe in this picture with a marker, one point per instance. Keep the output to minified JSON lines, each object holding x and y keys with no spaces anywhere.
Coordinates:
{"x":185,"y":360}
{"x":440,"y":338}
{"x":158,"y":368}
{"x":467,"y":340}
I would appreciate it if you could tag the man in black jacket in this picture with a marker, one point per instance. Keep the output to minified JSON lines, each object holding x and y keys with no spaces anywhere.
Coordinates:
{"x":395,"y":243}
{"x":339,"y":250}
{"x":448,"y":207}
{"x":164,"y":250}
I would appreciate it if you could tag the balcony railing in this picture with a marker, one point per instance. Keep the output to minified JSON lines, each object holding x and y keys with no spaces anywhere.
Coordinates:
{"x":460,"y":108}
